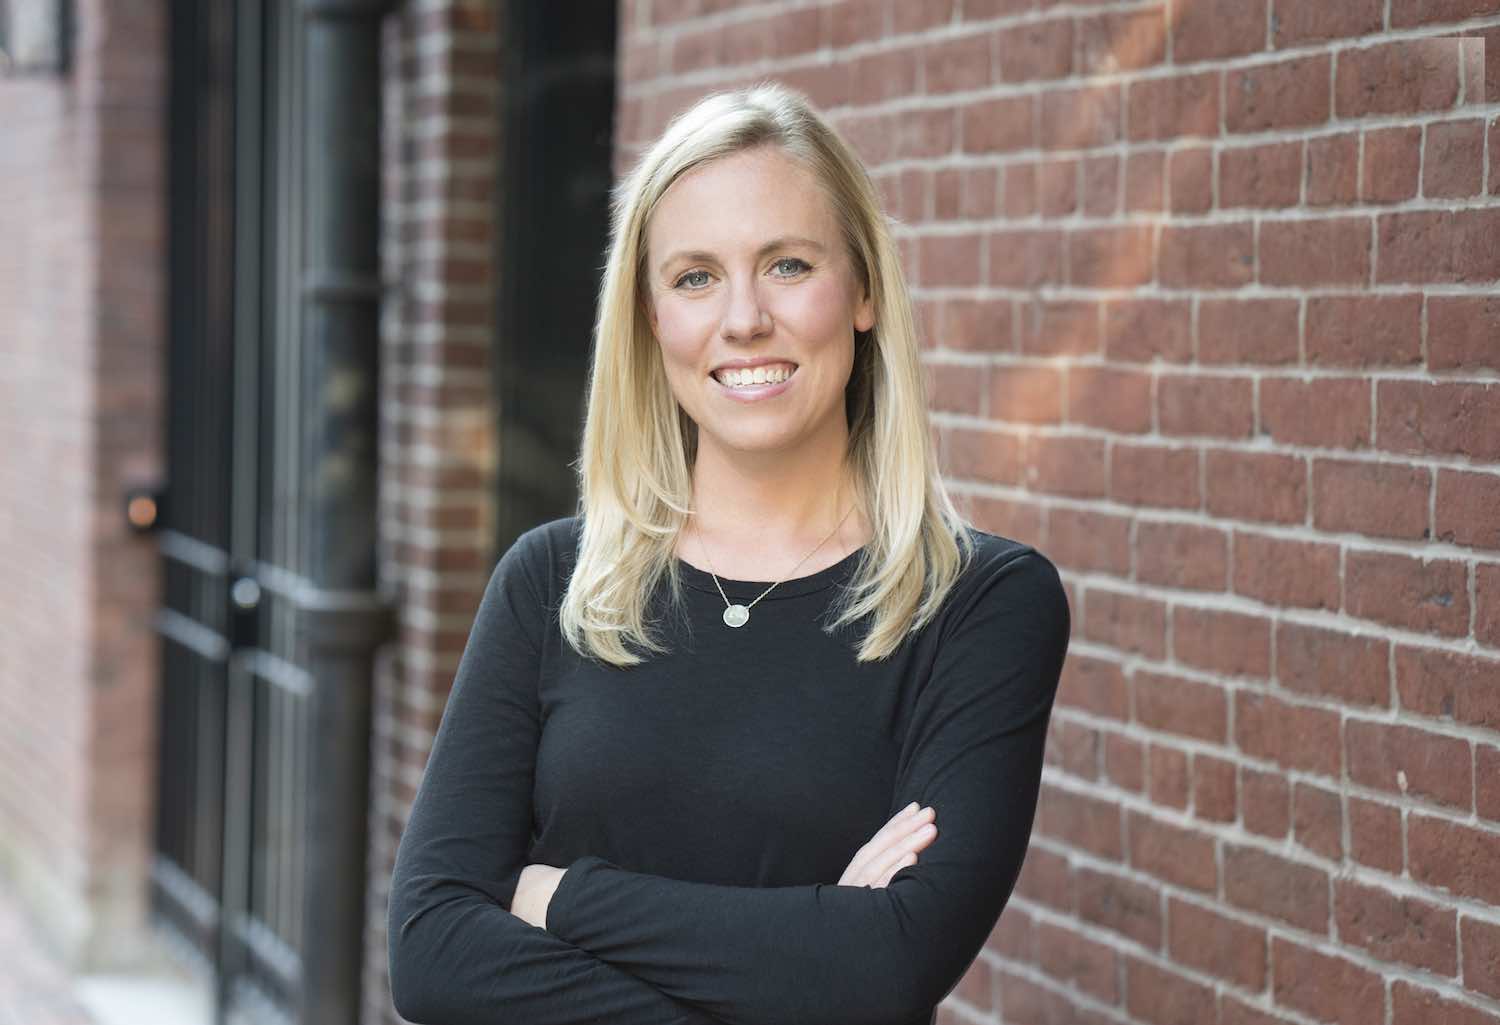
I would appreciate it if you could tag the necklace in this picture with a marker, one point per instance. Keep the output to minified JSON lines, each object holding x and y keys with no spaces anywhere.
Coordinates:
{"x":738,"y":615}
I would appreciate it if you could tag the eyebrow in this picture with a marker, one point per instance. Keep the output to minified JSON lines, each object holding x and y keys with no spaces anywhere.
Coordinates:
{"x":779,"y":242}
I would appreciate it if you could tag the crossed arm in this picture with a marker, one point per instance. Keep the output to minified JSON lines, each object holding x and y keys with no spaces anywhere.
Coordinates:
{"x":630,"y":947}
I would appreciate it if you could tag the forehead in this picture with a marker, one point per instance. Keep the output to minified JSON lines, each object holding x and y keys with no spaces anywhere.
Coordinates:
{"x":743,"y":198}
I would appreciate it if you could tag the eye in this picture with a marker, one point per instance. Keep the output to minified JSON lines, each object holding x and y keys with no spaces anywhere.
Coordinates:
{"x":797,"y":267}
{"x":689,"y":274}
{"x":801,"y":265}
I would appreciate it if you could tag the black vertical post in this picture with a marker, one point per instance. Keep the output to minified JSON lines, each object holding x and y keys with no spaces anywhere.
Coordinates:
{"x":340,"y":616}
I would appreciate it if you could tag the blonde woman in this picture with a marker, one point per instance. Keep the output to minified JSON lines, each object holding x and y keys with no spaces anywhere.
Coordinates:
{"x":756,"y":736}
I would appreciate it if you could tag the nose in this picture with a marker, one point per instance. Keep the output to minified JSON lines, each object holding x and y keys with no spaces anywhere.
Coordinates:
{"x":745,"y":317}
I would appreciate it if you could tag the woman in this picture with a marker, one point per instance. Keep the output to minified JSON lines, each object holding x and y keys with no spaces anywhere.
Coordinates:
{"x":679,"y":775}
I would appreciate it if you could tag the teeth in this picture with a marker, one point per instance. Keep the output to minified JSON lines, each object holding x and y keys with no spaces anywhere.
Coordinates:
{"x":764,"y":374}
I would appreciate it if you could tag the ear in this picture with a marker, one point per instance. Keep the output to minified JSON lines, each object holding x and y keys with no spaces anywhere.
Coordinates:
{"x":864,"y":313}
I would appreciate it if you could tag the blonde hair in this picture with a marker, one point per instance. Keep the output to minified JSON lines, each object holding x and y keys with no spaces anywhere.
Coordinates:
{"x":638,"y":448}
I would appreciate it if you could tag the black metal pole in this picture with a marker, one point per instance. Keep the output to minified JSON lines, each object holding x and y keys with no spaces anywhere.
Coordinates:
{"x":340,"y":616}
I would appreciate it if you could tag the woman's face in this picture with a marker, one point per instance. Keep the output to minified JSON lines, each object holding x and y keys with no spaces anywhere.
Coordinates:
{"x":745,"y":262}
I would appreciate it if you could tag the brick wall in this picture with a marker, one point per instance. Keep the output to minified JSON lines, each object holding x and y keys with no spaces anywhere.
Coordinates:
{"x":81,"y":386}
{"x":1208,"y":290}
{"x":438,"y":490}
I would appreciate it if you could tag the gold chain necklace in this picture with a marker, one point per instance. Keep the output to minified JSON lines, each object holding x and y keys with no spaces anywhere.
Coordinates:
{"x":737,"y":615}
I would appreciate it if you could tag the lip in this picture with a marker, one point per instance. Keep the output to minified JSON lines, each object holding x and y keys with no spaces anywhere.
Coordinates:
{"x":756,"y":361}
{"x":754,"y":392}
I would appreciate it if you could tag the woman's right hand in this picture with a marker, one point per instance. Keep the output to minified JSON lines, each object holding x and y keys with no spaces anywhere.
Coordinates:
{"x":893,"y":848}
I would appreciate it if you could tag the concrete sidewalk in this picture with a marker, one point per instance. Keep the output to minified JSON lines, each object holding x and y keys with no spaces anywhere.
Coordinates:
{"x":36,"y":990}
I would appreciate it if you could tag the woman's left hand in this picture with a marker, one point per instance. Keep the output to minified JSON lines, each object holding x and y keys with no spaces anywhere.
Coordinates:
{"x":534,"y":892}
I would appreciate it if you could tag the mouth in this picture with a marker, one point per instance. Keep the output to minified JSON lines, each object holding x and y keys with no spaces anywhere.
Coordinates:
{"x":742,"y":385}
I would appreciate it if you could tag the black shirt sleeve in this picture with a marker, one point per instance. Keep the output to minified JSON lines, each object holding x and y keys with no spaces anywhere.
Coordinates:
{"x":823,"y":954}
{"x":457,"y":955}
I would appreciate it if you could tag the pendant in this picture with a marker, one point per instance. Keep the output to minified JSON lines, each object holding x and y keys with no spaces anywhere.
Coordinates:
{"x":736,"y":615}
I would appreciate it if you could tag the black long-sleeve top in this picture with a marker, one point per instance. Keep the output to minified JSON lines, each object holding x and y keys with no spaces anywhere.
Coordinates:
{"x":705,"y":802}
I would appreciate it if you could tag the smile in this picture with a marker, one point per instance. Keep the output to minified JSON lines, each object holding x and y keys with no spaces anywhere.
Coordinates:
{"x":754,"y":391}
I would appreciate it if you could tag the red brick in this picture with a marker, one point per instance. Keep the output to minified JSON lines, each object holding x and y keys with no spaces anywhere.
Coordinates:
{"x":1319,"y":661}
{"x":1055,"y":327}
{"x":1065,"y":466}
{"x":1253,"y":331}
{"x":1403,"y":77}
{"x":1449,"y":685}
{"x":1377,"y":499}
{"x":1018,"y":194}
{"x":1211,"y":943}
{"x":1216,"y":29}
{"x":1057,"y":186}
{"x":1145,"y":180}
{"x":1414,"y":1005}
{"x":1318,"y":820}
{"x":996,"y":456}
{"x":1453,"y":166}
{"x":1375,"y":834}
{"x":1326,"y":987}
{"x":1292,"y":736}
{"x":1184,"y":707}
{"x":1271,"y":885}
{"x":1038,"y":51}
{"x":1026,"y":394}
{"x":1286,"y":573}
{"x":1114,"y":257}
{"x":1393,"y":157}
{"x":1232,"y":643}
{"x":1182,"y":555}
{"x":1089,"y":823}
{"x":1072,"y":748}
{"x":1182,"y":857}
{"x":1407,"y":13}
{"x":1409,"y":761}
{"x":975,"y":325}
{"x":1321,"y":411}
{"x":1284,"y":94}
{"x":1364,"y":330}
{"x":1190,"y":180}
{"x":1207,"y":255}
{"x":955,"y":63}
{"x":1423,"y":594}
{"x":1332,"y":168}
{"x":1140,"y":330}
{"x":1214,"y":788}
{"x":1072,"y":957}
{"x":1170,"y":780}
{"x":1109,"y":398}
{"x":1101,"y":190}
{"x":1089,"y":540}
{"x":1493,"y":131}
{"x":1481,"y":966}
{"x":1026,"y":258}
{"x":1125,"y":621}
{"x":1158,"y":995}
{"x":1047,"y":879}
{"x":1255,"y":485}
{"x":1001,"y":124}
{"x":1204,"y":406}
{"x":1294,"y":22}
{"x":949,"y":259}
{"x":1082,"y":117}
{"x":1455,"y":857}
{"x":1154,"y":475}
{"x":1463,"y":331}
{"x":964,"y":194}
{"x":1323,"y":251}
{"x":920,"y":15}
{"x":1125,"y":763}
{"x":1395,"y":928}
{"x":1439,"y":418}
{"x":1170,"y":107}
{"x":1115,"y":41}
{"x":1120,"y":905}
{"x":1267,"y":175}
{"x":1266,"y":798}
{"x":1487,"y":616}
{"x":1011,"y":519}
{"x":1468,"y":508}
{"x":1235,"y":1012}
{"x":1439,"y":246}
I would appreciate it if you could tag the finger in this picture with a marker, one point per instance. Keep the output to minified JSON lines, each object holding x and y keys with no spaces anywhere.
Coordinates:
{"x":906,"y":862}
{"x":885,"y":858}
{"x":890,"y":835}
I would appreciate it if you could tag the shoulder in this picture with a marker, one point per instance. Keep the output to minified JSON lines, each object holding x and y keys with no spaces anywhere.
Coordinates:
{"x":542,"y":555}
{"x":1011,"y":576}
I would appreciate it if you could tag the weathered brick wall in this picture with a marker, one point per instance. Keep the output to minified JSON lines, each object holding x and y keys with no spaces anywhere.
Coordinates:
{"x":82,"y":273}
{"x":438,"y":493}
{"x":1208,"y":293}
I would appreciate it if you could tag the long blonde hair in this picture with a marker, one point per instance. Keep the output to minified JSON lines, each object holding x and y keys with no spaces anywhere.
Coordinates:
{"x":635,"y":463}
